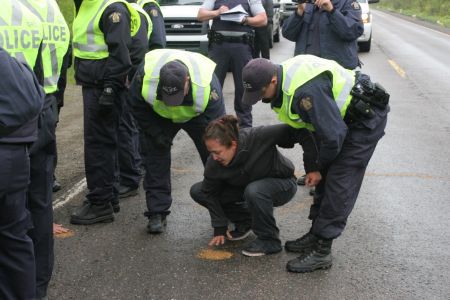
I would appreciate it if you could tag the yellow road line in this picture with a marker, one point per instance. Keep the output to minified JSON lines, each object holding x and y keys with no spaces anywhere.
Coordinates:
{"x":397,"y":68}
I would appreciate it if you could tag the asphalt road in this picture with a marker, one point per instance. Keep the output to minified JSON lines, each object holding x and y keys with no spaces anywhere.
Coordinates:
{"x":397,"y":241}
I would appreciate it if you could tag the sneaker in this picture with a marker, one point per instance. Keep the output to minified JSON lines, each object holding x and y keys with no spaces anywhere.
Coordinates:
{"x":302,"y":244}
{"x":156,"y":224}
{"x":126,"y":191}
{"x":238,"y":234}
{"x":260,"y":248}
{"x":90,"y":213}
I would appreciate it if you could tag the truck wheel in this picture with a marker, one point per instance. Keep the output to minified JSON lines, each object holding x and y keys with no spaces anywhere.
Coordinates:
{"x":365,"y":46}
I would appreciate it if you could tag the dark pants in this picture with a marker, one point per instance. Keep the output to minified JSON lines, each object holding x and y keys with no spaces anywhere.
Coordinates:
{"x":129,"y":156}
{"x":336,"y":193}
{"x":101,"y":146}
{"x":233,"y":56}
{"x":156,"y":154}
{"x":232,"y":204}
{"x":42,"y":160}
{"x":262,"y":42}
{"x":17,"y":264}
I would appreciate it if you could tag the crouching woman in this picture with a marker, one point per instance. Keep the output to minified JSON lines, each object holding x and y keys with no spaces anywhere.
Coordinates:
{"x":245,"y":177}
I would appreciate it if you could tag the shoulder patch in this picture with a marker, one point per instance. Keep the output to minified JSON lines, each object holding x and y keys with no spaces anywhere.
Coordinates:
{"x":115,"y":17}
{"x":214,"y":95}
{"x":356,"y":5}
{"x":154,"y":12}
{"x":306,"y":103}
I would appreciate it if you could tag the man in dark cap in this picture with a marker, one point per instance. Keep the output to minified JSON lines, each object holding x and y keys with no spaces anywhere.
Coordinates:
{"x":347,"y":114}
{"x":171,"y":90}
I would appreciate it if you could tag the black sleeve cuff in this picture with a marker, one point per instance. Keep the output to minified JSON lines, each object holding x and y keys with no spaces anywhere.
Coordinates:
{"x":220,"y":231}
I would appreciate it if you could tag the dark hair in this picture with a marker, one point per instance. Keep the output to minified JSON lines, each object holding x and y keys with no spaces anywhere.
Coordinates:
{"x":224,"y":130}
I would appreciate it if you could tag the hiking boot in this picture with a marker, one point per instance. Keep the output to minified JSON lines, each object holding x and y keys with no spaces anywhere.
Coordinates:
{"x":156,"y":224}
{"x":91,"y":213}
{"x":261,"y":247}
{"x":126,"y":191}
{"x":302,"y":244}
{"x":317,"y":258}
{"x":239,"y":233}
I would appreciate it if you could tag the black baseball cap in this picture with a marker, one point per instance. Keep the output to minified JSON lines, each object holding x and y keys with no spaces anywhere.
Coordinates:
{"x":256,"y":74}
{"x":172,"y":77}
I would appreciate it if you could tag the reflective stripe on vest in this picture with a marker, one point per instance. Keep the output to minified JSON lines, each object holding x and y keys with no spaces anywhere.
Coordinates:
{"x":147,"y":17}
{"x":88,"y":40}
{"x":302,"y":68}
{"x":20,"y":32}
{"x":56,"y":40}
{"x":201,"y":70}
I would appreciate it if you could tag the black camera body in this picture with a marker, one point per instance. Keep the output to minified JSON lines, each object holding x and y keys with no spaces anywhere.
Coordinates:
{"x":304,"y":1}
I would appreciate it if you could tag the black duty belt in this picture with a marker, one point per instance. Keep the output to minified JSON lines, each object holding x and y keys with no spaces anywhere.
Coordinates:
{"x":230,"y":37}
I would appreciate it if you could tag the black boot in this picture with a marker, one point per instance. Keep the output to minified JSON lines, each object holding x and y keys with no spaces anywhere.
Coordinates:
{"x":156,"y":224}
{"x":90,"y":213}
{"x":317,"y":258}
{"x":302,"y":244}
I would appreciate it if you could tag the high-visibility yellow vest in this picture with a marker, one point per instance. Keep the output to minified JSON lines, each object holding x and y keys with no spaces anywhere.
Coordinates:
{"x":147,"y":17}
{"x":88,"y":39}
{"x":56,"y":39}
{"x":302,"y":68}
{"x":21,"y":32}
{"x":201,"y":70}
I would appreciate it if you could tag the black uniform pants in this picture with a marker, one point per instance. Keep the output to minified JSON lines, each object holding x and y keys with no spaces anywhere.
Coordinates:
{"x":101,"y":146}
{"x":42,"y":167}
{"x":262,"y":42}
{"x":234,"y":57}
{"x":156,"y":154}
{"x":336,"y":194}
{"x":17,"y":264}
{"x":129,"y":156}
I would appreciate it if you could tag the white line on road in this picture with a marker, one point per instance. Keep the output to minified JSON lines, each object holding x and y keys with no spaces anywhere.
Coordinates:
{"x":70,"y":194}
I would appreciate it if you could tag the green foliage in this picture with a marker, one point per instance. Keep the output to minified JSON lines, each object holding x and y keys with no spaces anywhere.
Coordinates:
{"x":437,"y":11}
{"x":68,"y":10}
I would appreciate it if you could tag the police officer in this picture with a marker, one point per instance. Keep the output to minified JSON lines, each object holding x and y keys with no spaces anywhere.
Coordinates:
{"x":328,"y":29}
{"x":102,"y":33}
{"x":347,"y":114}
{"x":129,"y":157}
{"x":263,"y":35}
{"x":157,"y":39}
{"x":21,"y":100}
{"x":172,"y":90}
{"x":230,"y":45}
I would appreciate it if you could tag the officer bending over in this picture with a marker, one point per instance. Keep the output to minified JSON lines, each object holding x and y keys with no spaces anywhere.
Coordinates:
{"x":21,"y":100}
{"x":247,"y":198}
{"x":172,"y":90}
{"x":347,"y":114}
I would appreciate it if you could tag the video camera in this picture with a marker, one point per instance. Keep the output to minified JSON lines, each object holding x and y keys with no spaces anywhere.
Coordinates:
{"x":304,"y":1}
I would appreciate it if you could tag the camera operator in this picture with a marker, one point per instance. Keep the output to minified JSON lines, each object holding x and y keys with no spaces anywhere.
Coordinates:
{"x":326,"y":28}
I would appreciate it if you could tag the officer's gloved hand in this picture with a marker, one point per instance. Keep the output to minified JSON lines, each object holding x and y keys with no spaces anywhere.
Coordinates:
{"x":106,"y":101}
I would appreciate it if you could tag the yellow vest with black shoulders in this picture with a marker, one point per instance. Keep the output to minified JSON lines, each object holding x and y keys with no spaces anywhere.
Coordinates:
{"x":56,"y":39}
{"x":302,"y":68}
{"x":21,"y":32}
{"x":88,"y":39}
{"x":201,"y":70}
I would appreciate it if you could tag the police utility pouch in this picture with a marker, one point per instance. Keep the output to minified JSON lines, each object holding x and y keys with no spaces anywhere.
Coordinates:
{"x":366,"y":96}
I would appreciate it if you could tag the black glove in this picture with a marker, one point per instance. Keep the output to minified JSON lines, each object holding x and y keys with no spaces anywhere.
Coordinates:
{"x":106,"y":101}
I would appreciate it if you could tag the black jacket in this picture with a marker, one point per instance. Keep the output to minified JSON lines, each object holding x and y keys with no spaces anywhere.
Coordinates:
{"x":113,"y":70}
{"x":257,"y":157}
{"x":21,"y":100}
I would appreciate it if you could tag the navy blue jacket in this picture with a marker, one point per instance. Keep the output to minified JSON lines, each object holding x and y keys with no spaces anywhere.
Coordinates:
{"x":338,"y":32}
{"x":21,"y":100}
{"x":112,"y":71}
{"x":158,"y":36}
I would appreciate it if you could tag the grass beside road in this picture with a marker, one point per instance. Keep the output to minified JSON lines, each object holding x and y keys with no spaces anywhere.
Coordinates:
{"x":434,"y":11}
